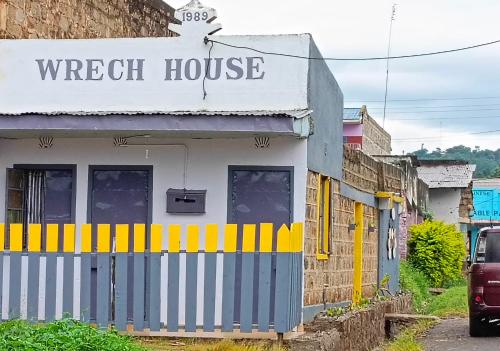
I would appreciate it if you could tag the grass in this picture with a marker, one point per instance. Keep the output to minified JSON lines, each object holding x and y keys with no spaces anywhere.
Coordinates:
{"x":415,"y":282}
{"x":408,"y":339}
{"x":61,"y":335}
{"x":452,"y":303}
{"x":200,"y":345}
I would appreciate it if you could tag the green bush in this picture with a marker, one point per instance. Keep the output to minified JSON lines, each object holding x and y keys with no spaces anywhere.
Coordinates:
{"x":416,"y":283}
{"x":61,"y":335}
{"x":438,"y":250}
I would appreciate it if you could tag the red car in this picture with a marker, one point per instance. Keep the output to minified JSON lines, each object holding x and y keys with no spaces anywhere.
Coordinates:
{"x":484,"y":281}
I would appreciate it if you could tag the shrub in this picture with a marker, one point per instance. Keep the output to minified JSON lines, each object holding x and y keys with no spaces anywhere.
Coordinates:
{"x":416,"y":283}
{"x":438,"y":250}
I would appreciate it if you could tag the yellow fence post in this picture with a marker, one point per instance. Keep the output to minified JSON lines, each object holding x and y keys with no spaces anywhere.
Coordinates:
{"x":121,"y":237}
{"x":139,"y":238}
{"x":193,"y":238}
{"x":358,"y":252}
{"x":69,"y":238}
{"x":2,"y":237}
{"x":156,"y":238}
{"x":34,"y":237}
{"x":103,"y":238}
{"x":211,"y":239}
{"x":86,"y":238}
{"x":52,"y":238}
{"x":174,"y":238}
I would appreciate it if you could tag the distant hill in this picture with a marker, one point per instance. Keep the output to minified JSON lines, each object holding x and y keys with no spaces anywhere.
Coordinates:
{"x":487,"y":161}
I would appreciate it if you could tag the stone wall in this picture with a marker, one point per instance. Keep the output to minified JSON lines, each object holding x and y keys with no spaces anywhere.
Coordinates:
{"x":84,"y":19}
{"x":376,"y":141}
{"x":361,"y":330}
{"x":331,"y":280}
{"x":360,"y":171}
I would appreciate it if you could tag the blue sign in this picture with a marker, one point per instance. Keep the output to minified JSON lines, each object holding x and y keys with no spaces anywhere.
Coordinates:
{"x":486,"y":204}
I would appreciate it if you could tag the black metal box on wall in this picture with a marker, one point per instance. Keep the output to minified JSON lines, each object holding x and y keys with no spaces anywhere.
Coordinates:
{"x":186,"y":201}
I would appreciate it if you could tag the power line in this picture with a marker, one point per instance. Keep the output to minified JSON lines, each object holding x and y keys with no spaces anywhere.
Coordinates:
{"x":429,"y":99}
{"x":438,"y":137}
{"x":434,"y":106}
{"x":446,"y":111}
{"x":208,"y":40}
{"x":443,"y":118}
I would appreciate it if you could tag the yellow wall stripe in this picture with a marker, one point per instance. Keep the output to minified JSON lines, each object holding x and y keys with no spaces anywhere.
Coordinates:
{"x":156,"y":238}
{"x":174,"y":238}
{"x":326,"y":216}
{"x":297,"y":237}
{"x":86,"y":238}
{"x":266,"y":237}
{"x":16,"y":237}
{"x":230,"y":237}
{"x":2,"y":237}
{"x":103,"y":238}
{"x":358,"y":252}
{"x":121,"y":238}
{"x":212,"y":230}
{"x":248,"y":238}
{"x":52,"y":238}
{"x":139,"y":238}
{"x":283,"y":239}
{"x":34,"y":237}
{"x":193,"y":238}
{"x":69,"y":238}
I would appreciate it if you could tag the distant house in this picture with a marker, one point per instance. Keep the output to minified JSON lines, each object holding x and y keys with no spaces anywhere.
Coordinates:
{"x":362,"y":132}
{"x":450,"y":190}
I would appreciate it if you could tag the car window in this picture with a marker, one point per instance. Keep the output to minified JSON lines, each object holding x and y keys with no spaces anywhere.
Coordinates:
{"x":488,"y":249}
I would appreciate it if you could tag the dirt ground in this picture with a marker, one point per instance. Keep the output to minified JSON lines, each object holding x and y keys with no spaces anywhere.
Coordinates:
{"x":453,"y":335}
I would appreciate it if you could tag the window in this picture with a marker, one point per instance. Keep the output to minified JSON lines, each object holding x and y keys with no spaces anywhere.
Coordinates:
{"x":41,"y":195}
{"x":324,"y":217}
{"x":488,"y":249}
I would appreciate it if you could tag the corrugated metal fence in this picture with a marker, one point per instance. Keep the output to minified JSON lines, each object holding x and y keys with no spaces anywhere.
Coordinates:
{"x":142,"y":287}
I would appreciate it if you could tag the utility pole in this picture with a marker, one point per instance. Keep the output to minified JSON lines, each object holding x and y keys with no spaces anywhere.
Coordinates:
{"x":393,"y":17}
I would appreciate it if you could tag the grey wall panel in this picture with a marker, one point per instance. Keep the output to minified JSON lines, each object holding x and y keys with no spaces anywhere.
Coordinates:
{"x":85,"y":287}
{"x":173,"y":292}
{"x":138,"y":302}
{"x":103,"y":290}
{"x":325,"y":146}
{"x":33,"y":274}
{"x":228,"y":291}
{"x":209,"y":297}
{"x":388,"y":266}
{"x":265,"y":261}
{"x":121,"y":293}
{"x":154,"y":292}
{"x":15,"y":286}
{"x":282,"y":292}
{"x":2,"y":277}
{"x":191,"y":290}
{"x":50,"y":286}
{"x":247,"y":291}
{"x":357,"y":195}
{"x":68,"y":284}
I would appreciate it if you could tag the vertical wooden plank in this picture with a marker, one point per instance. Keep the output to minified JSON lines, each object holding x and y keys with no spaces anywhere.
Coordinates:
{"x":34,"y":246}
{"x":138,"y":289}
{"x":121,"y":276}
{"x":228,"y":278}
{"x":283,"y":283}
{"x":68,"y":269}
{"x":103,"y":275}
{"x":2,"y":249}
{"x":51,"y":271}
{"x":85,"y":271}
{"x":265,"y":266}
{"x":193,"y":236}
{"x":358,"y":252}
{"x":247,"y":278}
{"x":210,"y":277}
{"x":155,"y":278}
{"x":173,"y":278}
{"x":16,"y":247}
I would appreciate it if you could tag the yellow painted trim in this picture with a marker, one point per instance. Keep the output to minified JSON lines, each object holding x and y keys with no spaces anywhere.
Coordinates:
{"x":52,"y":238}
{"x":297,"y":237}
{"x":16,"y":237}
{"x":103,"y":238}
{"x":318,"y":217}
{"x":87,"y":238}
{"x":230,"y":238}
{"x":266,"y":237}
{"x":34,"y":237}
{"x":323,"y":199}
{"x":326,"y":217}
{"x":211,"y":236}
{"x":398,"y":199}
{"x":121,"y":238}
{"x":139,"y":238}
{"x":358,"y":252}
{"x":69,"y":239}
{"x":193,"y":238}
{"x":383,"y":194}
{"x":2,"y":237}
{"x":174,"y":238}
{"x":156,"y":238}
{"x":283,"y":239}
{"x":248,"y":238}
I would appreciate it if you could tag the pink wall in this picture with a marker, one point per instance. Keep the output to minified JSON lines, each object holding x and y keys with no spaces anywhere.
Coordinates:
{"x":353,"y":130}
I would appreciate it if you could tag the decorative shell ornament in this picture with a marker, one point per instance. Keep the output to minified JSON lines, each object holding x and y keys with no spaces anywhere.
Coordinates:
{"x":196,"y":21}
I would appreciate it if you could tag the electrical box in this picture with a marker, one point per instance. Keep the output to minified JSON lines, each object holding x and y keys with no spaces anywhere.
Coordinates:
{"x":186,"y":201}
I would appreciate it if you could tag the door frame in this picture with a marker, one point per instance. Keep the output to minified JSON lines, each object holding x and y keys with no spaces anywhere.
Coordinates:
{"x":231,"y":168}
{"x":90,"y":186}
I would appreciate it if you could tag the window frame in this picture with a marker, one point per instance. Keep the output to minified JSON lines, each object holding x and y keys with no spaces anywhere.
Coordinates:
{"x":324,"y":222}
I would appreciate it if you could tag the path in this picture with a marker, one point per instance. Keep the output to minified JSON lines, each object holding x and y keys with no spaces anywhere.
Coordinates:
{"x":453,"y":335}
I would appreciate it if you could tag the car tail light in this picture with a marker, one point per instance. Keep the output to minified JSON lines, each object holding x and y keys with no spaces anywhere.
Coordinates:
{"x":478,"y":299}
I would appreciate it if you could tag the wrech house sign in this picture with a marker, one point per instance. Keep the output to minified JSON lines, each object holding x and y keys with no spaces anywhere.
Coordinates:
{"x":232,"y":68}
{"x":147,"y":75}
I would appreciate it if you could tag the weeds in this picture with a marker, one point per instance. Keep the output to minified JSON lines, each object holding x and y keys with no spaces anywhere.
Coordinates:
{"x":408,"y":339}
{"x":452,"y":303}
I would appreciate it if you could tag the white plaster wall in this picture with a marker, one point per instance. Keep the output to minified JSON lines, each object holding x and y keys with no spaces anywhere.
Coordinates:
{"x":207,"y":169}
{"x":444,"y":204}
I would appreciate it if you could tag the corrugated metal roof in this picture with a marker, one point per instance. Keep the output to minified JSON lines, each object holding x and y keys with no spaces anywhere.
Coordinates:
{"x":353,"y":114}
{"x":446,"y":176}
{"x":269,"y":113}
{"x":487,"y":183}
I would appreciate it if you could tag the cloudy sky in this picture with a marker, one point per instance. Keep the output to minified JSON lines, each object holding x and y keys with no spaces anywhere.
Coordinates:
{"x":448,"y":98}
